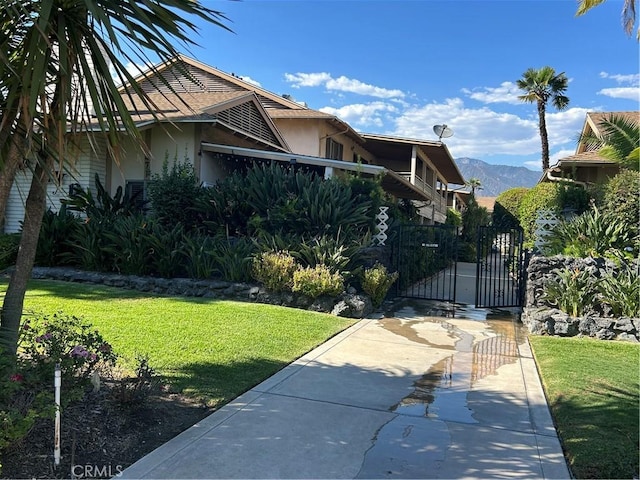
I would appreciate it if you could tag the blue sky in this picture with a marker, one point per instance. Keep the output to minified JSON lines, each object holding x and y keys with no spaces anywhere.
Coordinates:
{"x":401,"y":67}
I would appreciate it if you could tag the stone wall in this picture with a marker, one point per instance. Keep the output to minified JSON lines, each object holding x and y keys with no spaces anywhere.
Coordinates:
{"x":349,"y":304}
{"x":543,"y":319}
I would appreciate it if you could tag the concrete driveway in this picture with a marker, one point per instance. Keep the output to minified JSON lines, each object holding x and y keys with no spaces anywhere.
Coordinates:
{"x":425,"y":391}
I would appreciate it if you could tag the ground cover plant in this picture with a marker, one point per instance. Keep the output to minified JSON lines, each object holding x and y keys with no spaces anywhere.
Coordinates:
{"x":593,"y":391}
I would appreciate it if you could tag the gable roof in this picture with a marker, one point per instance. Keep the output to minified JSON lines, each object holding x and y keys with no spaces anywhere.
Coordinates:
{"x":593,"y":121}
{"x":385,"y":146}
{"x":240,"y":112}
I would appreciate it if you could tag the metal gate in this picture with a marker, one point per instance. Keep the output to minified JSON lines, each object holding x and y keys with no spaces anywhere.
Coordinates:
{"x":425,"y":258}
{"x":500,"y":270}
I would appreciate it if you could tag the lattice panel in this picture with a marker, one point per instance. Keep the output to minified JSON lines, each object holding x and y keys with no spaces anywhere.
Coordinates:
{"x":546,"y":220}
{"x":380,"y":237}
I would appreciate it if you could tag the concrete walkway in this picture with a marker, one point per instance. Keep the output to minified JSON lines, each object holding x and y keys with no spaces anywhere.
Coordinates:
{"x":426,"y":391}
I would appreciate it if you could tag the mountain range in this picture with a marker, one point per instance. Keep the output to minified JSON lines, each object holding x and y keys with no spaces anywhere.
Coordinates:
{"x":495,"y":179}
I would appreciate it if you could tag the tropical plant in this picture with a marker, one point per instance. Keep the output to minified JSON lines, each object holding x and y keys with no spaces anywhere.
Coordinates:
{"x":540,"y":87}
{"x":571,"y":290}
{"x":61,"y":63}
{"x":592,"y":234}
{"x":620,"y":288}
{"x":474,"y":184}
{"x":103,"y":204}
{"x":617,"y":139}
{"x":57,"y":228}
{"x":629,"y":8}
{"x":376,"y":282}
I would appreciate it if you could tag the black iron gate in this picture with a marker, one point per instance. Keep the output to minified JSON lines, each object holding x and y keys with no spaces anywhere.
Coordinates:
{"x":500,"y":271}
{"x":425,"y":258}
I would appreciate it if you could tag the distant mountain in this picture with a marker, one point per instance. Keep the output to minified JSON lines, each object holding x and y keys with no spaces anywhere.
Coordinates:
{"x":495,"y":179}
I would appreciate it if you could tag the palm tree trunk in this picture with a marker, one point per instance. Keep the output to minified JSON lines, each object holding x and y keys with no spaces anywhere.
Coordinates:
{"x":543,"y":135}
{"x":14,"y":299}
{"x":9,"y":169}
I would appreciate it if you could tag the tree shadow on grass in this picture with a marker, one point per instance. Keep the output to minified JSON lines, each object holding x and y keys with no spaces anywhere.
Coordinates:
{"x":216,"y":384}
{"x":601,"y":438}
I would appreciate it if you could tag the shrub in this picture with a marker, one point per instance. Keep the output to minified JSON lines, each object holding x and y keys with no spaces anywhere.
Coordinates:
{"x":507,"y":205}
{"x":473,"y":217}
{"x":376,"y":282}
{"x":8,"y":249}
{"x":173,"y":194}
{"x":572,"y":291}
{"x":573,"y":198}
{"x":65,"y":340}
{"x":275,"y":270}
{"x":198,"y":260}
{"x":542,"y":196}
{"x":316,"y":281}
{"x":622,"y":201}
{"x":454,"y":217}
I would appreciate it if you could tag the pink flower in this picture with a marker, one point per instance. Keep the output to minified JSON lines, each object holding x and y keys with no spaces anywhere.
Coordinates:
{"x":93,"y":357}
{"x":16,"y":377}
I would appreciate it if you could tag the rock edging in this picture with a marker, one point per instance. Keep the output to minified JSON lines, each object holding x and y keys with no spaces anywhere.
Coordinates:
{"x":349,"y":304}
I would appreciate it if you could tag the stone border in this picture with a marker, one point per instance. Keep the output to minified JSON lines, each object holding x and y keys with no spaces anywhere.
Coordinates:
{"x":350,"y":304}
{"x":543,"y":319}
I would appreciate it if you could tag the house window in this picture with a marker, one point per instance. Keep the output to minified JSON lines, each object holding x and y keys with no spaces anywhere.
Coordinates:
{"x":333,"y":150}
{"x":137,"y":192}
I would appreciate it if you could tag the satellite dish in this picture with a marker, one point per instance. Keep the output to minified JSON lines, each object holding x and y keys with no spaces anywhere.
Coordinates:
{"x":442,"y":131}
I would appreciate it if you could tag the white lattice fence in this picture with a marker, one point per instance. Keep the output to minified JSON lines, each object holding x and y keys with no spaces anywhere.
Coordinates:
{"x":545,"y":221}
{"x":381,"y":227}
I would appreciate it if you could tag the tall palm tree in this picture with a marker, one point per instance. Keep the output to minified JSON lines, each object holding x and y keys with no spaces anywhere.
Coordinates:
{"x":474,"y":184}
{"x":617,"y":139}
{"x":56,"y":63}
{"x":629,"y":8}
{"x":540,"y":86}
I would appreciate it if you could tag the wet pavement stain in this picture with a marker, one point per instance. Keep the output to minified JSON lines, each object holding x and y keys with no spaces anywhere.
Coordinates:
{"x":480,"y":342}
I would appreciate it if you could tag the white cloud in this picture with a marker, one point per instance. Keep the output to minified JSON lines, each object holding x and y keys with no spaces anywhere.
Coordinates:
{"x":340,"y":84}
{"x":630,"y":79}
{"x":251,"y":81}
{"x":533,"y":165}
{"x":307,"y":79}
{"x":481,"y":132}
{"x":507,"y":92}
{"x":363,"y":114}
{"x":629,"y":93}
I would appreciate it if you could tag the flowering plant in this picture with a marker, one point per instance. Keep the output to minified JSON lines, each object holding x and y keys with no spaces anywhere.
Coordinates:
{"x":65,"y":340}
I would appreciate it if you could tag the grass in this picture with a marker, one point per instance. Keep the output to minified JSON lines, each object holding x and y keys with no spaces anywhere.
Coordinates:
{"x":209,"y":349}
{"x":593,"y":392}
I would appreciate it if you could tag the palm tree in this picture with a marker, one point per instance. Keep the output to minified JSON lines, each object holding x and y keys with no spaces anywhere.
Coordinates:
{"x":541,"y":86}
{"x":56,"y":63}
{"x":617,"y":139}
{"x":628,"y":13}
{"x":475,"y":184}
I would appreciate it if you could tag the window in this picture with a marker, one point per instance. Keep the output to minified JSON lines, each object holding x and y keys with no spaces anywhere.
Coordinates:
{"x":333,"y":150}
{"x":136,"y":191}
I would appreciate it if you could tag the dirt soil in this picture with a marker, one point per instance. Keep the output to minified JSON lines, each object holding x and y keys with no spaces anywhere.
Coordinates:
{"x":101,"y":437}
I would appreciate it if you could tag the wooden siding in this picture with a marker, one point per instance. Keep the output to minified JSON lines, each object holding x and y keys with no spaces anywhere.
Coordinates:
{"x":89,"y":162}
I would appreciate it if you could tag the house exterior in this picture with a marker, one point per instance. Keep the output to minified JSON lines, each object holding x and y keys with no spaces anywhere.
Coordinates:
{"x":586,"y":166}
{"x":218,"y":122}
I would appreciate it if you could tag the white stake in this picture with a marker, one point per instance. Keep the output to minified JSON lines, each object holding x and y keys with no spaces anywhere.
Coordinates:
{"x":56,"y":449}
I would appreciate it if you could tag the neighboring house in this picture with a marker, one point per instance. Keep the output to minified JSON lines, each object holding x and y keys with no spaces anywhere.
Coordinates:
{"x":586,"y":166}
{"x":218,"y":122}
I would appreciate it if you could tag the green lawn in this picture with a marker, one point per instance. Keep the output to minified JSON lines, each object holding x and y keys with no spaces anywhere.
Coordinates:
{"x":210,"y":349}
{"x":593,"y":391}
